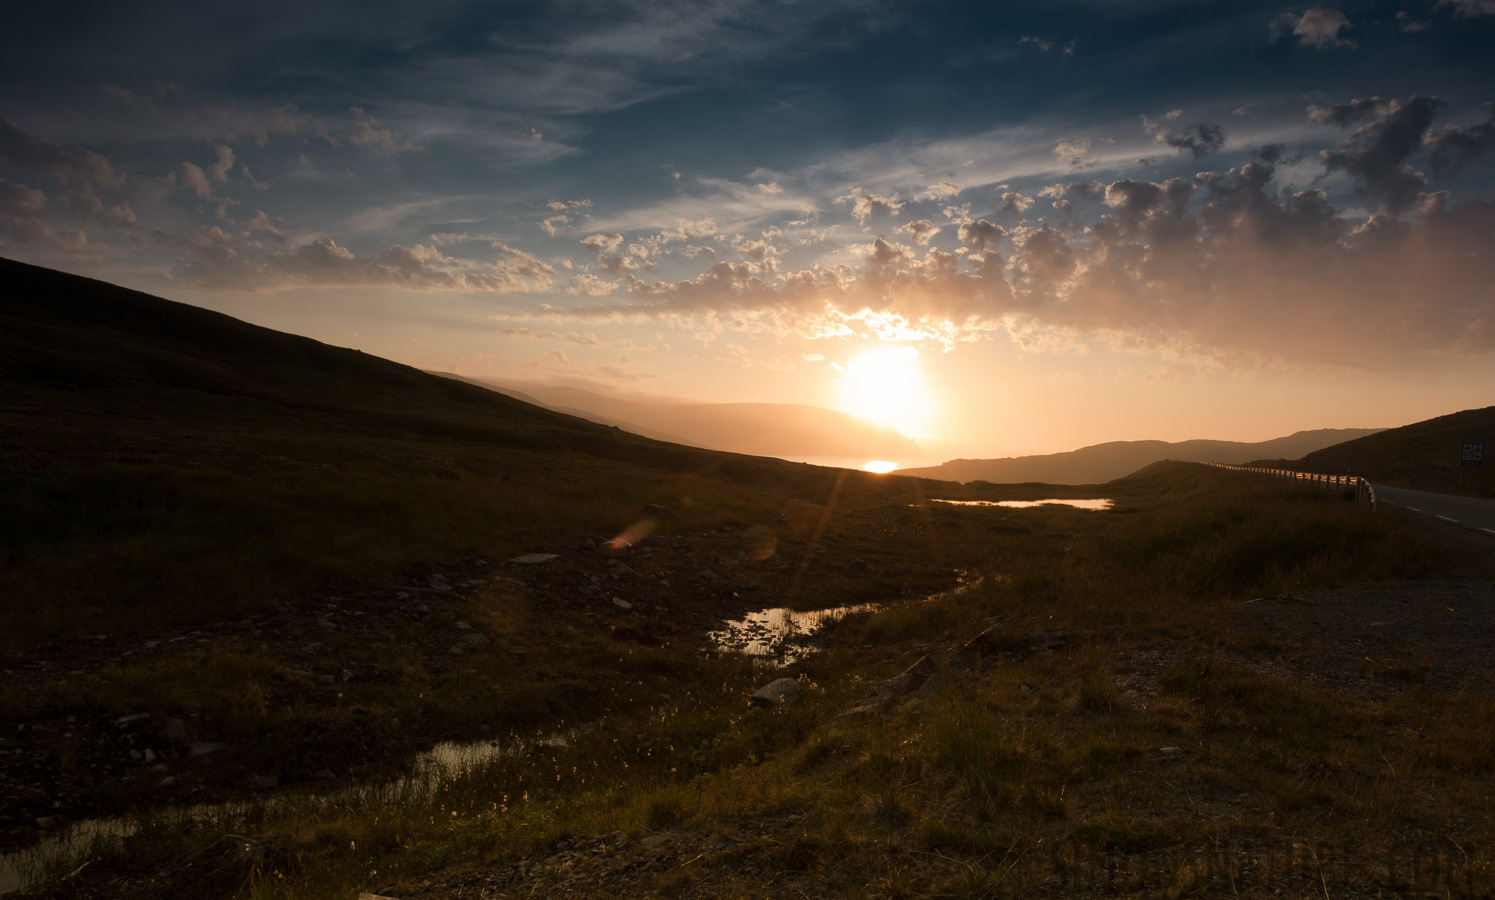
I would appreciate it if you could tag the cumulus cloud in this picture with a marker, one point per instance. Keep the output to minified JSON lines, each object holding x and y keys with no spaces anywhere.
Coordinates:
{"x":1015,"y":203}
{"x":87,"y":202}
{"x":1376,"y":155}
{"x":1319,"y":28}
{"x":865,"y":204}
{"x":921,"y":231}
{"x":1075,"y":153}
{"x":602,"y":243}
{"x":82,"y":168}
{"x":1221,"y":264}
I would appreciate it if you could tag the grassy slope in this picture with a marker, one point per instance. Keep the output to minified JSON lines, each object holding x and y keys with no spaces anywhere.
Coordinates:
{"x":990,"y":786}
{"x":1423,"y":455}
{"x":161,"y":463}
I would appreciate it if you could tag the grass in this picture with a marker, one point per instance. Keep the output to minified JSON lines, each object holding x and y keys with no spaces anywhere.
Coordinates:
{"x":1039,"y":772}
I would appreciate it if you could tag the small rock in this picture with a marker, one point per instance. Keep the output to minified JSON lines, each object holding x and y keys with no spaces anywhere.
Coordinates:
{"x":204,"y":748}
{"x":122,"y":721}
{"x":347,"y":676}
{"x":454,"y":651}
{"x":150,"y":755}
{"x":778,"y":693}
{"x":46,"y":822}
{"x":168,"y":781}
{"x":476,"y":639}
{"x":1171,"y":752}
{"x":620,"y":603}
{"x":136,"y":754}
{"x":323,"y":773}
{"x":617,"y":567}
{"x":534,"y":559}
{"x":325,"y":679}
{"x":554,"y":743}
{"x":264,"y":782}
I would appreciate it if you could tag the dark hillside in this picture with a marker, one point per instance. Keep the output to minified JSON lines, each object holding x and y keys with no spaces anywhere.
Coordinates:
{"x":163,"y":462}
{"x":1423,"y":455}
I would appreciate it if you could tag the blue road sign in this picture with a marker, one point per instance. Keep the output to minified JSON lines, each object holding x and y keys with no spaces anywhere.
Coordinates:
{"x":1474,"y":452}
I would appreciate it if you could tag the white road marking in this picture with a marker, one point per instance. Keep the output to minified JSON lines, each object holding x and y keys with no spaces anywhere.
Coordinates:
{"x":1447,"y":519}
{"x":1491,"y":530}
{"x":1414,"y":509}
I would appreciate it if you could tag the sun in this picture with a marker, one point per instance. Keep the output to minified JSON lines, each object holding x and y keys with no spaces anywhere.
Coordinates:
{"x":887,"y":386}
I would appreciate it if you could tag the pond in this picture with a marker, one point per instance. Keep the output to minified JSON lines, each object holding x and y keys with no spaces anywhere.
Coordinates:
{"x":1029,"y":504}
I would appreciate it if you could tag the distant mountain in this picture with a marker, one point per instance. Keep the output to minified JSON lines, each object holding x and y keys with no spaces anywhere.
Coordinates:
{"x":1423,"y":455}
{"x":759,"y":429}
{"x":1100,"y":463}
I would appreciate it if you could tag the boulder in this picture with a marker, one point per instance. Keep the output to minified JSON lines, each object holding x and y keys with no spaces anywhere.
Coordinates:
{"x":977,"y":651}
{"x":778,"y":693}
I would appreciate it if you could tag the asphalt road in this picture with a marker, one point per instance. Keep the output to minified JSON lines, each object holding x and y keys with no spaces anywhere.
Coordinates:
{"x":1467,"y":511}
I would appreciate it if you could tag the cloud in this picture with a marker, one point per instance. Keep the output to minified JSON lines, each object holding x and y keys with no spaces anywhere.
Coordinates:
{"x":1318,"y":28}
{"x":366,"y":133}
{"x":1220,"y":265}
{"x":771,"y":187}
{"x":567,"y":337}
{"x":981,"y":235}
{"x":1376,"y":155}
{"x":1075,"y":153}
{"x":83,"y":168}
{"x":866,"y":204}
{"x":1469,"y":9}
{"x":1015,"y":203}
{"x":1197,"y":140}
{"x":88,"y":203}
{"x":210,"y":259}
{"x":195,"y":179}
{"x":921,"y":231}
{"x":602,"y":243}
{"x":1452,"y":147}
{"x":939,"y":191}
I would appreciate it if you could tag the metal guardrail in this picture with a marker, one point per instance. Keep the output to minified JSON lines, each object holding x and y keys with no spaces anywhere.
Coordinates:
{"x":1365,"y":492}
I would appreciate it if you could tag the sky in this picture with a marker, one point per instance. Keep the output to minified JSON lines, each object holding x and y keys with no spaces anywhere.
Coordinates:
{"x":1002,"y":228}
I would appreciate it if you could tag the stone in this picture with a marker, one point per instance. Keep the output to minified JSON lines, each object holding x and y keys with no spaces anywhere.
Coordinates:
{"x":204,"y":748}
{"x":323,"y":773}
{"x":175,"y":730}
{"x":617,"y":567}
{"x":347,"y":676}
{"x":264,"y":782}
{"x":534,"y":559}
{"x":325,"y":679}
{"x":476,"y":639}
{"x":620,"y":603}
{"x":781,"y":692}
{"x":554,"y":743}
{"x":150,"y":755}
{"x":244,"y":849}
{"x":122,"y":721}
{"x":46,"y":823}
{"x":977,"y":651}
{"x":1171,"y":752}
{"x":168,"y":781}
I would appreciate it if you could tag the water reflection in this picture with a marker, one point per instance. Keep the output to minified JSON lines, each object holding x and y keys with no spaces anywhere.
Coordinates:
{"x":1026,"y":504}
{"x":780,"y":634}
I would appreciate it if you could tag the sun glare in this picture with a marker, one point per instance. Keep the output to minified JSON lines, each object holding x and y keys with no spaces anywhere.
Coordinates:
{"x":879,"y":466}
{"x":887,"y":386}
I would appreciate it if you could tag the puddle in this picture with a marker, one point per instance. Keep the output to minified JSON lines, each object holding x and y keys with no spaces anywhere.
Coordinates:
{"x":1027,"y":504}
{"x":779,"y":634}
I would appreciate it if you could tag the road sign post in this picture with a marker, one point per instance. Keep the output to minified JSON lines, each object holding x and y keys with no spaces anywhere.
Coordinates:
{"x":1471,"y":460}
